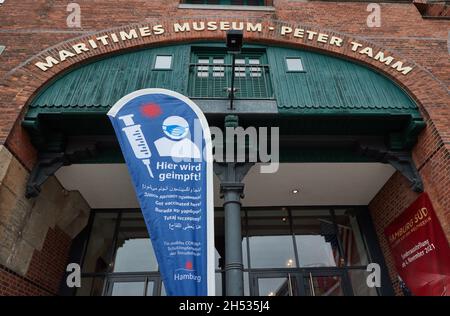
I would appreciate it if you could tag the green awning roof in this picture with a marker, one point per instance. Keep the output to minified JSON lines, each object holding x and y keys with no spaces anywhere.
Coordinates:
{"x":327,"y":86}
{"x":331,"y":95}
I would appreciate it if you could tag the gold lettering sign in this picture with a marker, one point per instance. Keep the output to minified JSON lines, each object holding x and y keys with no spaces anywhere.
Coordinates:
{"x":283,"y":31}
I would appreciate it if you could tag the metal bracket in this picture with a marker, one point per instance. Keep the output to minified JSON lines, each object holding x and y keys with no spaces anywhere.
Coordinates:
{"x":231,"y":174}
{"x":49,"y":162}
{"x":401,"y":160}
{"x":46,"y":166}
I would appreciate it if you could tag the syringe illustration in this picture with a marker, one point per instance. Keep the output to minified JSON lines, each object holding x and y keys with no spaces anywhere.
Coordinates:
{"x":137,"y":140}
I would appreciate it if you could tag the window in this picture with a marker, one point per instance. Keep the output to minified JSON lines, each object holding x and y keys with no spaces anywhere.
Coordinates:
{"x":230,"y":2}
{"x":286,"y":251}
{"x":2,"y":48}
{"x":294,"y":64}
{"x":270,"y":229}
{"x":211,"y":75}
{"x":132,"y":241}
{"x":218,"y":71}
{"x":255,"y":71}
{"x":202,"y":70}
{"x":239,"y":71}
{"x":120,"y":260}
{"x":117,"y":236}
{"x":163,"y":62}
{"x":304,"y":251}
{"x":316,"y":238}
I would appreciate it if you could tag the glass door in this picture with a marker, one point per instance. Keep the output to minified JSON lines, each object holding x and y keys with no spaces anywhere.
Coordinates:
{"x":276,"y":284}
{"x":305,"y":282}
{"x":132,"y":286}
{"x":325,"y":283}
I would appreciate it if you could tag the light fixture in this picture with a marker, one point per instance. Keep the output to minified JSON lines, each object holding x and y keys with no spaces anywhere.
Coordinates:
{"x":290,"y":263}
{"x":295,"y":191}
{"x":271,"y":294}
{"x":234,"y":41}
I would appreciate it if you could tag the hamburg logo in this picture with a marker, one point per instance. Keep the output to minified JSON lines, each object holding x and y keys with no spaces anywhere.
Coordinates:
{"x":186,"y":273}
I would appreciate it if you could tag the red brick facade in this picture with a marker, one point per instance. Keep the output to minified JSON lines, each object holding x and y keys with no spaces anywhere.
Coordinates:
{"x":45,"y":271}
{"x":30,"y":27}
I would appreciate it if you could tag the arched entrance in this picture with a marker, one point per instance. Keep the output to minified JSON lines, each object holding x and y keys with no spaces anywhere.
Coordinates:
{"x":344,"y":129}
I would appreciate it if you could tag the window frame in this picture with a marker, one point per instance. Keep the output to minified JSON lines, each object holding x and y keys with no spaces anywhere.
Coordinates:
{"x":266,"y":6}
{"x":263,"y":3}
{"x":294,"y":71}
{"x":163,"y":69}
{"x":248,"y":75}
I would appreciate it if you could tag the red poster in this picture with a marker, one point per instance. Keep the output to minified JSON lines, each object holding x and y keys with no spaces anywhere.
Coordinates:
{"x":420,"y":249}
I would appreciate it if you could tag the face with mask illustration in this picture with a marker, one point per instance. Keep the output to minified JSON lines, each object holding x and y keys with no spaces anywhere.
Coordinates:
{"x":175,"y":127}
{"x":176,"y":142}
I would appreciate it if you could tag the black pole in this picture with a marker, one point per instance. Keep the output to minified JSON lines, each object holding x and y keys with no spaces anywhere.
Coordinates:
{"x":232,"y":189}
{"x":232,"y":81}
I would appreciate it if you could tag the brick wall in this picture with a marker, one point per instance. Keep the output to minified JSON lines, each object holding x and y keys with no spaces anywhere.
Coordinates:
{"x":31,"y":26}
{"x":46,"y":268}
{"x":433,"y":162}
{"x":13,"y":284}
{"x":48,"y":265}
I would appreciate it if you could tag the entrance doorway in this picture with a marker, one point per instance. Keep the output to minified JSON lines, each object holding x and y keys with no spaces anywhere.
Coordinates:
{"x":287,"y":251}
{"x":291,"y":244}
{"x":304,"y":251}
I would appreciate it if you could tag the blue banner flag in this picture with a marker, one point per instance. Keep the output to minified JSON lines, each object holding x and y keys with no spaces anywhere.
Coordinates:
{"x":166,"y":143}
